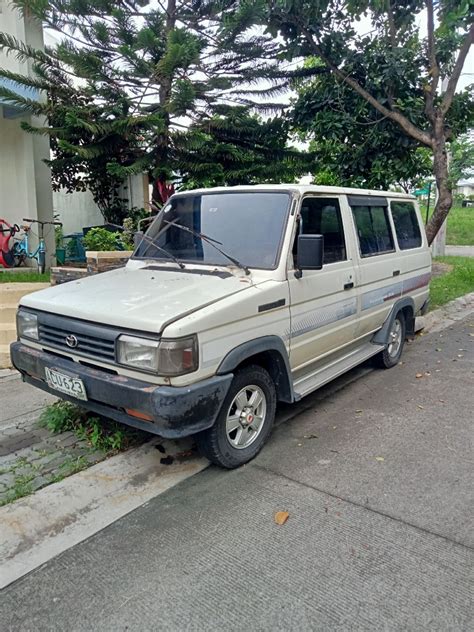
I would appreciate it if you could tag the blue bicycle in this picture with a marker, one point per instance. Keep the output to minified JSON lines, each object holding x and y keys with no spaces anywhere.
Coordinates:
{"x":21,"y":248}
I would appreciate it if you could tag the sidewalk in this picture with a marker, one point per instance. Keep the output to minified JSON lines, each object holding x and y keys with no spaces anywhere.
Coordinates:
{"x":377,"y":479}
{"x":32,"y":457}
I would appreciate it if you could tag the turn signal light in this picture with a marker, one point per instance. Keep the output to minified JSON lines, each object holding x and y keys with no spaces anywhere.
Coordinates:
{"x":138,"y":414}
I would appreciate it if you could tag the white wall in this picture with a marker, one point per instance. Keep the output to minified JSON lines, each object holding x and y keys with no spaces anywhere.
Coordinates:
{"x":25,"y":181}
{"x":76,"y":210}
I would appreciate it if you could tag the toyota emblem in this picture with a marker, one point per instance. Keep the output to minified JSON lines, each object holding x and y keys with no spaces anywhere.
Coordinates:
{"x":71,"y":341}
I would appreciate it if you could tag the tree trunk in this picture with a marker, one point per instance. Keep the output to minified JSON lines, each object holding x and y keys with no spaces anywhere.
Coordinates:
{"x":163,"y":138}
{"x":441,"y":173}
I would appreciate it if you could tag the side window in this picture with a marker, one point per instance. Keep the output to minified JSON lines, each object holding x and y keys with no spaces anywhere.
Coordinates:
{"x":406,"y":225}
{"x":322,"y":216}
{"x":373,"y":229}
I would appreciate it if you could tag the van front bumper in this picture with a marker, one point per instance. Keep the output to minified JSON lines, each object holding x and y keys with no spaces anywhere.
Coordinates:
{"x":176,"y":411}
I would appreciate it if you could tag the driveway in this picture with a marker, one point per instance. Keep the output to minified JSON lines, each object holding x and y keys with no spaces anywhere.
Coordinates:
{"x":376,"y":474}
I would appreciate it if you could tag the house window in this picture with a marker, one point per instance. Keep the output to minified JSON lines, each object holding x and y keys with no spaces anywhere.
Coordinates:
{"x":406,"y":225}
{"x":373,"y":230}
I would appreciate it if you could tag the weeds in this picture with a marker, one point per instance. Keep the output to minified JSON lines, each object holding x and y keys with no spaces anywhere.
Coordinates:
{"x":101,"y":434}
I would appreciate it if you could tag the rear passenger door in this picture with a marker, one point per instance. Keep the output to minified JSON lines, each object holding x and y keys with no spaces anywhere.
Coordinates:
{"x":323,"y":302}
{"x":380,"y":282}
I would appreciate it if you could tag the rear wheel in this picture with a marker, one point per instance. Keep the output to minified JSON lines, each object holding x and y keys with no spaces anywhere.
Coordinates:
{"x":244,"y":422}
{"x":390,"y":356}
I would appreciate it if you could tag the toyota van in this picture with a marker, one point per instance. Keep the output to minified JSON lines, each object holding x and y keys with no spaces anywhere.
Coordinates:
{"x":235,"y":299}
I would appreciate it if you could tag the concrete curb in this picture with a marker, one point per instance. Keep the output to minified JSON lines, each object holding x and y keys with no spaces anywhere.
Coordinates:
{"x":37,"y":528}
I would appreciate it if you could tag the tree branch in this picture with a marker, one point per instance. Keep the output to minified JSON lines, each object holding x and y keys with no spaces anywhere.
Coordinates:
{"x":407,"y":126}
{"x":458,"y":66}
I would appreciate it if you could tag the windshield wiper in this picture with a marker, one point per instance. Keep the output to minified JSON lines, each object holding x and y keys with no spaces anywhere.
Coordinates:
{"x":168,"y":254}
{"x":210,"y":241}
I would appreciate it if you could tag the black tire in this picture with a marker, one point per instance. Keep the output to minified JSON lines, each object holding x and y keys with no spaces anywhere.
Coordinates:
{"x":18,"y":260}
{"x":386,"y":359}
{"x":41,"y":262}
{"x":215,"y":444}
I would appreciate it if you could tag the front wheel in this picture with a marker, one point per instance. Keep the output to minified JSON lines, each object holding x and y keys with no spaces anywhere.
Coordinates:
{"x":390,"y":356}
{"x":41,"y":262}
{"x":244,"y":422}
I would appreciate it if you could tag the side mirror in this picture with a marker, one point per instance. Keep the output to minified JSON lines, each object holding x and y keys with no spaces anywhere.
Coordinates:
{"x":310,"y":253}
{"x":137,"y":237}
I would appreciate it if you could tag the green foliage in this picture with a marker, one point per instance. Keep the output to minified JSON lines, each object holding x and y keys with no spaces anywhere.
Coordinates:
{"x":59,"y":417}
{"x":59,"y":236}
{"x":102,"y":239}
{"x":107,"y":436}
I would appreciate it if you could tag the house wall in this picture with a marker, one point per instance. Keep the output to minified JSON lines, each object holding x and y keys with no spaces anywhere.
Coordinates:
{"x":77,"y":210}
{"x":25,"y":181}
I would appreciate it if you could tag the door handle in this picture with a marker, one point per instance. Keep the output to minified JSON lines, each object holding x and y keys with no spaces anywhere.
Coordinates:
{"x":348,"y":286}
{"x":396,"y":272}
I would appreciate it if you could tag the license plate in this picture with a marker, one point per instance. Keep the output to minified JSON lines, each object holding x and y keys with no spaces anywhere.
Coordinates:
{"x":72,"y":386}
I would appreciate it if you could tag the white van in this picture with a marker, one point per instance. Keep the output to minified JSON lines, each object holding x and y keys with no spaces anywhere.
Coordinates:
{"x":235,"y":299}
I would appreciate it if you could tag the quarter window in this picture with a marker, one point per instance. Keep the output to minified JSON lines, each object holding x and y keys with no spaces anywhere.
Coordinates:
{"x":322,"y":216}
{"x":373,"y":229}
{"x":406,"y":225}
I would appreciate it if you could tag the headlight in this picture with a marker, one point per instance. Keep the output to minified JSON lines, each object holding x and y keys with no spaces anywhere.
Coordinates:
{"x":141,"y":353}
{"x":27,"y":325}
{"x":165,"y":357}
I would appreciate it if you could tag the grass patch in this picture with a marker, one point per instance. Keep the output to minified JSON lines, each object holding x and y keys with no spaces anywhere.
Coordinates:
{"x":24,"y":277}
{"x":456,"y":283}
{"x":101,"y":434}
{"x":460,"y":229}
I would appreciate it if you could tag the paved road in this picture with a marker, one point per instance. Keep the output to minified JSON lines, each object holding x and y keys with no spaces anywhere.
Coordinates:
{"x":377,"y":478}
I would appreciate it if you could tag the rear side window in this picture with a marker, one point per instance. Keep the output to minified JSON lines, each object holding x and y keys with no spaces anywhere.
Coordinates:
{"x":322,"y":216}
{"x":373,"y":229}
{"x":406,"y":225}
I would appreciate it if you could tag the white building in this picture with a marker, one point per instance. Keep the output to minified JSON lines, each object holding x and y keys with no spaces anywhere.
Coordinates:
{"x":25,"y":180}
{"x":465,"y":187}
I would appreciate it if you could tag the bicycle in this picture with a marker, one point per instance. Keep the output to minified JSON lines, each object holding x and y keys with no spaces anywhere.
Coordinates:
{"x":21,"y":247}
{"x":7,"y":232}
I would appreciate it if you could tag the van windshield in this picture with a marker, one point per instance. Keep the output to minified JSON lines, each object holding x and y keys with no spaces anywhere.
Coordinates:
{"x":247,"y":226}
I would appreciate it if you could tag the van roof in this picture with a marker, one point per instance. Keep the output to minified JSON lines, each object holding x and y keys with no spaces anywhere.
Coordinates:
{"x":301,"y":189}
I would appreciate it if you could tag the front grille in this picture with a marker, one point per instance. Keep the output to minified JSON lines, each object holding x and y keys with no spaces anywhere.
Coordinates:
{"x":86,"y":339}
{"x":89,"y":345}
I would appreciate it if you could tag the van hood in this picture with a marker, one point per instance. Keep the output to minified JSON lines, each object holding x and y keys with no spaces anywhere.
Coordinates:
{"x":146,"y":297}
